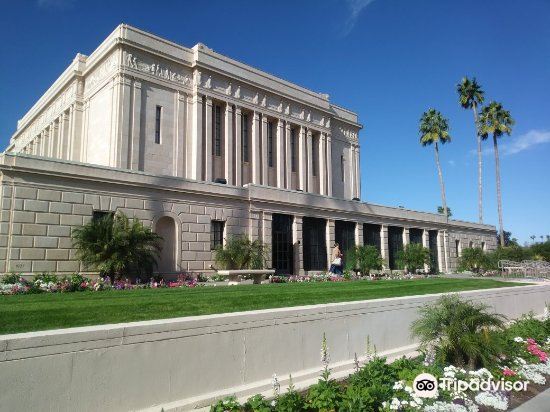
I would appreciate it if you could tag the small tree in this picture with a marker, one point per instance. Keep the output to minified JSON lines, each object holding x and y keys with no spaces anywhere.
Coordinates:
{"x":365,"y":258}
{"x":441,"y":211}
{"x":241,"y":253}
{"x":473,"y":260}
{"x":117,"y":246}
{"x":413,"y":257}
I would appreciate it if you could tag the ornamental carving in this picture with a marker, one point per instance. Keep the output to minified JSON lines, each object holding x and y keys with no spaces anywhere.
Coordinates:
{"x":102,"y":72}
{"x":162,"y":71}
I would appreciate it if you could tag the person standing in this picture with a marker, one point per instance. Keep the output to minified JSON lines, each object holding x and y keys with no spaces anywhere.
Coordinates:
{"x":336,"y":260}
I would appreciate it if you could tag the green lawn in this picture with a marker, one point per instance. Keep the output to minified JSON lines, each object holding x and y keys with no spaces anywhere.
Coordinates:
{"x":23,"y":313}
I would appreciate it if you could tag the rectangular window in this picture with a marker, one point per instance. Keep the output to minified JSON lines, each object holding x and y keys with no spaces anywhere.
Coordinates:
{"x":100,"y":214}
{"x":216,"y":234}
{"x":313,"y":157}
{"x":342,"y":167}
{"x":457,"y":247}
{"x":217,"y":130}
{"x":483,"y":246}
{"x":270,"y":144}
{"x":244,"y":137}
{"x":293,"y":149}
{"x":157,"y":124}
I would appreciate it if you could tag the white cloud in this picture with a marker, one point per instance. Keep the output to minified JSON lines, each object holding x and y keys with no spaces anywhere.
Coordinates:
{"x":512,"y":145}
{"x":355,"y":8}
{"x":526,"y":141}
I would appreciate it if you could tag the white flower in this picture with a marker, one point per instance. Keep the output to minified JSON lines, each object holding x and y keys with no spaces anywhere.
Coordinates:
{"x":408,"y":389}
{"x":493,"y":400}
{"x":518,"y":339}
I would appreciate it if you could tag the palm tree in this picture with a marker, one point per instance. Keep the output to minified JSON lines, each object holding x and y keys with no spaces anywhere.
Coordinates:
{"x":434,"y":128}
{"x":496,"y":121}
{"x":470,"y":96}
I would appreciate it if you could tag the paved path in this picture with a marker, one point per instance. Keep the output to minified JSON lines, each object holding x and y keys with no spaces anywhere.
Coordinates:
{"x":540,"y":403}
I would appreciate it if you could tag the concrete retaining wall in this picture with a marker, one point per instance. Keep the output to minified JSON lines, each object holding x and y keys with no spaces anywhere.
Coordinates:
{"x":181,"y":363}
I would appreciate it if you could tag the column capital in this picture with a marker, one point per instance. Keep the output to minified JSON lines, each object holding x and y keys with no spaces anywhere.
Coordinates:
{"x":137,"y":84}
{"x":288,"y":126}
{"x":309,"y":133}
{"x":279,"y":122}
{"x":228,"y":107}
{"x":181,"y":95}
{"x":256,"y":115}
{"x":238,"y":110}
{"x":264,"y":118}
{"x":208,"y":101}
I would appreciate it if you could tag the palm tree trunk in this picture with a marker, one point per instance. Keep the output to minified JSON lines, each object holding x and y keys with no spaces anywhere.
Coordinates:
{"x":479,"y":168}
{"x":443,"y":197}
{"x":499,"y":195}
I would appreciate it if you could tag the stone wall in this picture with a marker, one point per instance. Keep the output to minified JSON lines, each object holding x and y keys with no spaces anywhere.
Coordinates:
{"x":178,"y":364}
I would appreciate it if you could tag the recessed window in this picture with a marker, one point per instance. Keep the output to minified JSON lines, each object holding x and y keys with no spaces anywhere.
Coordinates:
{"x":471,"y":245}
{"x":270,"y":144}
{"x":216,"y":234}
{"x":293,"y":149}
{"x":158,"y":115}
{"x":483,"y":246}
{"x":217,"y":130}
{"x":314,"y":154}
{"x":244,"y":137}
{"x":457,"y":248}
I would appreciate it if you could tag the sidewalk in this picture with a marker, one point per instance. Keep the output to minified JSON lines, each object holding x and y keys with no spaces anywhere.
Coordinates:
{"x":540,"y":403}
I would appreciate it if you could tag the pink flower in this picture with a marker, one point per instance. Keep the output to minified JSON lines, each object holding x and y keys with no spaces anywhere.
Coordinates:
{"x":508,"y":372}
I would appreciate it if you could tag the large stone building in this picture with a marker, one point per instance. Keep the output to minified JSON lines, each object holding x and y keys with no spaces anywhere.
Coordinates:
{"x":200,"y":147}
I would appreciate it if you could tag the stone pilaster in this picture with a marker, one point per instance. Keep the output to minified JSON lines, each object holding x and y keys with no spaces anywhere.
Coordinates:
{"x":357,"y":173}
{"x":329,"y":165}
{"x":195,"y":155}
{"x":384,"y":246}
{"x":179,"y":139}
{"x":288,"y":156}
{"x":279,"y":155}
{"x":406,"y":236}
{"x":120,"y":122}
{"x":208,"y":141}
{"x":331,"y":238}
{"x":238,"y":148}
{"x":228,"y":157}
{"x":255,"y":147}
{"x":267,"y":219}
{"x":322,"y":164}
{"x":426,"y":244}
{"x":264,"y":160}
{"x":309,"y":148}
{"x":302,"y":160}
{"x":298,"y":245}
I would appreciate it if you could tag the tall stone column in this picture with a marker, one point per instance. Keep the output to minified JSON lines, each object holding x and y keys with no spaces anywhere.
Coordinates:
{"x":208,"y":141}
{"x":440,"y":251}
{"x":255,"y":146}
{"x":322,"y":164}
{"x":288,"y":156}
{"x":279,"y":155}
{"x":61,"y":141}
{"x":238,"y":147}
{"x":309,"y":148}
{"x":196,"y":155}
{"x":298,"y":242}
{"x":406,"y":236}
{"x":228,"y":167}
{"x":264,"y":160}
{"x":351,"y":158}
{"x":83,"y":156}
{"x":179,"y":138}
{"x":266,"y":235}
{"x":384,"y":246}
{"x":329,"y":165}
{"x":302,"y":160}
{"x":331,"y":238}
{"x":359,"y":234}
{"x":120,"y":122}
{"x":357,"y":172}
{"x":135,"y":126}
{"x":426,"y":244}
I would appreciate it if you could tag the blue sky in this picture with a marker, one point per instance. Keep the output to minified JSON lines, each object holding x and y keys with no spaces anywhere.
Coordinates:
{"x":388,"y":60}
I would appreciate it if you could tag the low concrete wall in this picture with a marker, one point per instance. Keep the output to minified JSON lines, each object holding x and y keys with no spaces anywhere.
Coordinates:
{"x":186,"y":362}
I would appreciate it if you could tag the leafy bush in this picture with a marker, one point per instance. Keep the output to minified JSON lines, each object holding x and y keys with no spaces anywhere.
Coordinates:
{"x":372,"y":383}
{"x":413,"y":257}
{"x":46,"y":278}
{"x":291,"y":401}
{"x":228,"y":404}
{"x":117,"y":247}
{"x":365,"y":258}
{"x":473,"y":260}
{"x":75,"y":283}
{"x":459,"y":330}
{"x":10,"y":278}
{"x":325,"y":395}
{"x":541,"y":251}
{"x":241,"y":253}
{"x":257,"y":403}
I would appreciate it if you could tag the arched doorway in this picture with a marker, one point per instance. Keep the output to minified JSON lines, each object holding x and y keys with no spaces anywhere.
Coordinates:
{"x":166,"y":227}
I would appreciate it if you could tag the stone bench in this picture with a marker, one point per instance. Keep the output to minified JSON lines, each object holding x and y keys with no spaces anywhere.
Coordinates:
{"x":234,"y":275}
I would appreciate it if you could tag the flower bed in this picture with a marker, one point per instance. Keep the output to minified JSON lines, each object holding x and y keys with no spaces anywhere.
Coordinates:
{"x":379,"y":386}
{"x":329,"y":277}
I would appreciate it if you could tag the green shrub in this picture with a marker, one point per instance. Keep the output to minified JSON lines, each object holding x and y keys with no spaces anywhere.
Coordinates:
{"x":473,"y":260}
{"x":10,"y":278}
{"x":75,"y":283}
{"x":257,"y":403}
{"x":413,"y":257}
{"x":46,"y":277}
{"x":228,"y":404}
{"x":459,"y":330}
{"x":241,"y":253}
{"x":290,"y":402}
{"x":117,"y":247}
{"x":325,"y":395}
{"x":365,"y":258}
{"x":541,"y":251}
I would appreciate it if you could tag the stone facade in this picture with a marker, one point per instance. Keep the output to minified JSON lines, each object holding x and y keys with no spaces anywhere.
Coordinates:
{"x":179,"y":138}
